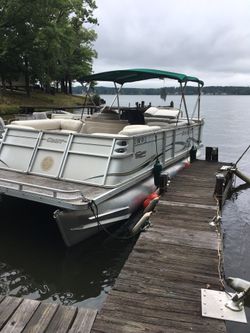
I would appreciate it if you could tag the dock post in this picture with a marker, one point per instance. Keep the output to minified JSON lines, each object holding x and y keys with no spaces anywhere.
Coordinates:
{"x":192,"y":154}
{"x":212,"y":154}
{"x":163,"y":183}
{"x":219,"y":189}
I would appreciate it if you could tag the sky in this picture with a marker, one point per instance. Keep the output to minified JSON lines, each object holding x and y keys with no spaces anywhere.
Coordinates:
{"x":209,"y":39}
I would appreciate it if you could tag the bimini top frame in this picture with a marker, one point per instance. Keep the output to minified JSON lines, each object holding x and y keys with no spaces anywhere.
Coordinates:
{"x":140,"y":74}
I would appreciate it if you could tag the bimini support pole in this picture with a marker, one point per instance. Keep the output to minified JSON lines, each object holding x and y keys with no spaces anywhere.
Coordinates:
{"x":184,"y":100}
{"x":197,"y":104}
{"x":199,"y":100}
{"x":242,"y":155}
{"x":117,"y":96}
{"x":87,"y":95}
{"x":237,"y":172}
{"x":117,"y":90}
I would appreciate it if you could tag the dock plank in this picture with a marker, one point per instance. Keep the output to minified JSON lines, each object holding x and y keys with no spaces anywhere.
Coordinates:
{"x":62,"y":320}
{"x":41,"y":318}
{"x":120,"y":322}
{"x":183,"y":237}
{"x":185,"y":204}
{"x":83,"y":321}
{"x":21,"y":316}
{"x":18,"y":315}
{"x":7,"y":308}
{"x":158,"y":289}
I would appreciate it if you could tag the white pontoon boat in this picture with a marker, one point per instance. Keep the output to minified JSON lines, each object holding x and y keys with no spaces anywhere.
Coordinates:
{"x":98,"y":172}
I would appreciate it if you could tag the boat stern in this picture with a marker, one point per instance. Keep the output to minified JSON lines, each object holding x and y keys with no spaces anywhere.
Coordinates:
{"x":79,"y":225}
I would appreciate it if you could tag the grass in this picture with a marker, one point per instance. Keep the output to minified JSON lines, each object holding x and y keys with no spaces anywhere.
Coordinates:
{"x":10,"y":101}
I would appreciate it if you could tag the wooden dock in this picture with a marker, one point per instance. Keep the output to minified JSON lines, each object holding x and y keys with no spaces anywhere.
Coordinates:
{"x":19,"y":315}
{"x":159,"y":287}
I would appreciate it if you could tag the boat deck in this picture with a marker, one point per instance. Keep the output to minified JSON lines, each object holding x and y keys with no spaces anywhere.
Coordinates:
{"x":29,"y":316}
{"x":159,"y":288}
{"x":65,"y":191}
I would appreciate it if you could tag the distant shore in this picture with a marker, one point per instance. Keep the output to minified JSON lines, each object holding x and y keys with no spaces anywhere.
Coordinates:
{"x":207,"y":90}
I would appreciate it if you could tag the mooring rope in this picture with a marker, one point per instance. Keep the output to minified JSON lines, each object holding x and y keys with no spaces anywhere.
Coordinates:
{"x":94,"y":208}
{"x":242,"y":155}
{"x":220,"y":267}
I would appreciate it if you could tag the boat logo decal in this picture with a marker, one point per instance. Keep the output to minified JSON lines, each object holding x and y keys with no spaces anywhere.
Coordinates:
{"x":47,"y":163}
{"x":52,"y":140}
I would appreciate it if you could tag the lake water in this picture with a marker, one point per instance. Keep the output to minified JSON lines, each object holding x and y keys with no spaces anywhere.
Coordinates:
{"x":34,"y":263}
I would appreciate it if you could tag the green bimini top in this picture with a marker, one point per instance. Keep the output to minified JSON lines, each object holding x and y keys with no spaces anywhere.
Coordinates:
{"x":138,"y":74}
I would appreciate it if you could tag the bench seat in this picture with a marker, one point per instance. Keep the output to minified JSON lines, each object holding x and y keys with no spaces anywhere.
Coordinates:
{"x":139,"y":129}
{"x":64,"y":125}
{"x":95,"y":125}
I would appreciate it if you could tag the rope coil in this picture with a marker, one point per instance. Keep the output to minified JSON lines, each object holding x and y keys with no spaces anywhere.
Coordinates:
{"x":94,"y":208}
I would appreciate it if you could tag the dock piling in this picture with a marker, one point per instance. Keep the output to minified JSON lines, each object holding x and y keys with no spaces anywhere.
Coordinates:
{"x":212,"y":154}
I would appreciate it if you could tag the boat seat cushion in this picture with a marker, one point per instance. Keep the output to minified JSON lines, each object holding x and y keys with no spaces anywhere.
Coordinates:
{"x":106,"y":120}
{"x":107,"y":114}
{"x":138,"y":129}
{"x":40,"y":124}
{"x":71,"y":125}
{"x":50,"y":124}
{"x":162,"y":112}
{"x":108,"y":135}
{"x":162,"y":124}
{"x":103,"y":126}
{"x":151,"y":111}
{"x":11,"y":126}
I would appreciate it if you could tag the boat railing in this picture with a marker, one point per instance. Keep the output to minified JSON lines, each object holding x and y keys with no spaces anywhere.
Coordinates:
{"x":69,"y":195}
{"x":67,"y":157}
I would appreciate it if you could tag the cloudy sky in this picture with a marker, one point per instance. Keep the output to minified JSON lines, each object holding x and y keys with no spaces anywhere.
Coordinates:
{"x":209,"y":39}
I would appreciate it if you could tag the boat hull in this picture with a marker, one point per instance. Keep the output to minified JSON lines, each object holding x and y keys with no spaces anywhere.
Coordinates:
{"x":77,"y":226}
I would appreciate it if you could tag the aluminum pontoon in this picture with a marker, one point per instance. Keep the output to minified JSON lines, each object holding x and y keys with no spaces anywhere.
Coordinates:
{"x":98,"y":172}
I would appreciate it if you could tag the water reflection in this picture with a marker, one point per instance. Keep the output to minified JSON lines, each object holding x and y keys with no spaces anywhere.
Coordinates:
{"x":35,"y":263}
{"x":236,"y":225}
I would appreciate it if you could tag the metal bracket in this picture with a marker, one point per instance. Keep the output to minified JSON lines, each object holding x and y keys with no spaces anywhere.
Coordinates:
{"x":213,"y":305}
{"x":225,"y":167}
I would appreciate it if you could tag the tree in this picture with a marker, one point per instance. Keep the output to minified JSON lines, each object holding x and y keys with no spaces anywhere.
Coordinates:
{"x":46,"y":40}
{"x":77,"y":56}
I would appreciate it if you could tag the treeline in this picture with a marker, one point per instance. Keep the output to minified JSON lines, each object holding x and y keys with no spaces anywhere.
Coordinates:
{"x":46,"y":42}
{"x":228,"y":90}
{"x":211,"y":90}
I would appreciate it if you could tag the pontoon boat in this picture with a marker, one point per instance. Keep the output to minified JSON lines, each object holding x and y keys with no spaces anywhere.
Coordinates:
{"x":98,"y":172}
